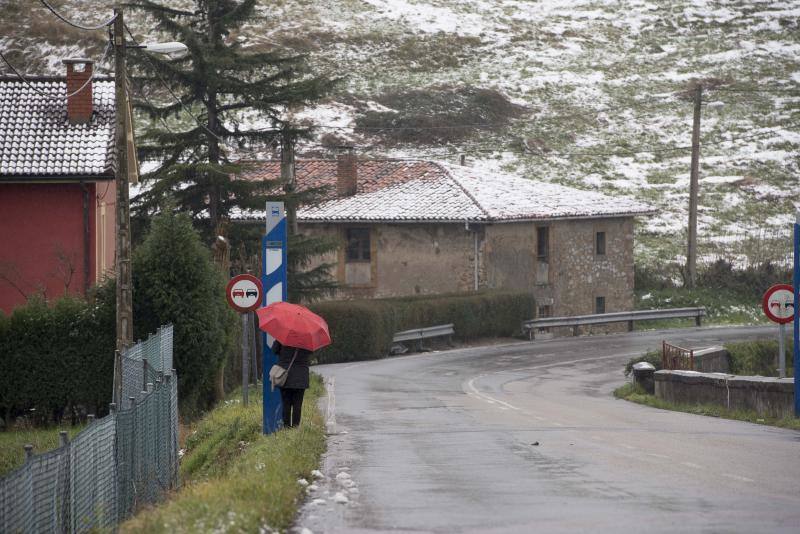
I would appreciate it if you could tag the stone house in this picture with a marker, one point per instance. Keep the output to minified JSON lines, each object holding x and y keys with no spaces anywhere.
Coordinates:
{"x":422,"y":227}
{"x":57,"y":189}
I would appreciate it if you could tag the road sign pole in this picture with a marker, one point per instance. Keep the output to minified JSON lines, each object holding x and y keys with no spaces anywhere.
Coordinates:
{"x":273,"y":253}
{"x":245,"y":357}
{"x":796,"y":283}
{"x":781,"y":351}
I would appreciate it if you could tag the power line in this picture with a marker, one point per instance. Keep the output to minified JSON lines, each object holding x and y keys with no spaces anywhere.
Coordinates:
{"x":479,"y":125}
{"x":75,"y":24}
{"x":765,"y":90}
{"x":172,"y":93}
{"x":475,"y":149}
{"x":49,"y":95}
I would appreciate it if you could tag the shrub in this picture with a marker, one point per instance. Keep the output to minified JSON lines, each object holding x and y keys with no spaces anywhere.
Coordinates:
{"x":758,"y":357}
{"x":754,"y":280}
{"x":175,"y":281}
{"x":363,"y":329}
{"x":56,"y":359}
{"x":653,"y":357}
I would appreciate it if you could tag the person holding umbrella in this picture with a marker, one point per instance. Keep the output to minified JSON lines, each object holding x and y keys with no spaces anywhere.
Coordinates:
{"x":297,"y":332}
{"x":295,"y":361}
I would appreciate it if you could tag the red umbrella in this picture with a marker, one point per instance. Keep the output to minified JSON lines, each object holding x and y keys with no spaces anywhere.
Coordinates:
{"x":294,"y":325}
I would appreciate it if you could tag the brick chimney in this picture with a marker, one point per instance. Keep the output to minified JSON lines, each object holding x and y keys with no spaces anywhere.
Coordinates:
{"x":79,"y":105}
{"x":346,"y":173}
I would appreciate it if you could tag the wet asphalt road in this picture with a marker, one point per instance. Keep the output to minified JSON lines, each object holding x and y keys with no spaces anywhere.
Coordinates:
{"x":445,"y":442}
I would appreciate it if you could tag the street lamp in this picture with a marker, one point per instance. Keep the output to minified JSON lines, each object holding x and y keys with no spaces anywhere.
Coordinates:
{"x":124,"y":293}
{"x":173,"y":49}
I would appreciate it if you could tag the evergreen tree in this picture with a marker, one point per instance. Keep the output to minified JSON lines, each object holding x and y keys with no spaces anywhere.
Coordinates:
{"x":175,"y":281}
{"x":224,"y":87}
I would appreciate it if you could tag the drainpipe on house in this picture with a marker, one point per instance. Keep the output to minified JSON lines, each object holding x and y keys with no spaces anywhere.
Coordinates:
{"x":474,"y":254}
{"x":475,"y":263}
{"x":86,"y":239}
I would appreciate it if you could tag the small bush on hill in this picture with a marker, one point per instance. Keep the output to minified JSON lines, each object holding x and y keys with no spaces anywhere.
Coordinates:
{"x":417,"y":115}
{"x":363,"y":329}
{"x":750,"y":281}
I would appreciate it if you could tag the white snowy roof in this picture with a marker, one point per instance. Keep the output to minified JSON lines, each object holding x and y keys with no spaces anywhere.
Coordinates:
{"x":37,"y":140}
{"x":455,"y":193}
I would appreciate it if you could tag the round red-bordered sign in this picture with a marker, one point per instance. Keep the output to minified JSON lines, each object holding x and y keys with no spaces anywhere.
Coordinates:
{"x":244,"y":293}
{"x":778,"y":303}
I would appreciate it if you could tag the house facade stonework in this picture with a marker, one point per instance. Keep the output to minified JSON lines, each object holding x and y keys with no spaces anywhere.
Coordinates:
{"x":430,"y":229}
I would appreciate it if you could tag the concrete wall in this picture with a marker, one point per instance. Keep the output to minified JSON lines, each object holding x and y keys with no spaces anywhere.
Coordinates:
{"x":772,"y":397}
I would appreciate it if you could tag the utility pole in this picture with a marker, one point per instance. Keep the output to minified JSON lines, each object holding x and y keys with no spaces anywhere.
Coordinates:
{"x":694,"y":186}
{"x":123,"y":221}
{"x":288,"y":177}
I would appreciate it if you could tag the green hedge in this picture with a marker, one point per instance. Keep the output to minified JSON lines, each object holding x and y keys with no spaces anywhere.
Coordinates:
{"x":363,"y":329}
{"x":56,"y":358}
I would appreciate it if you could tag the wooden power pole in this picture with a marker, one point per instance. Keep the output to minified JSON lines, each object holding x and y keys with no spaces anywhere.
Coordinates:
{"x":694,"y":186}
{"x":123,"y":221}
{"x":288,"y":178}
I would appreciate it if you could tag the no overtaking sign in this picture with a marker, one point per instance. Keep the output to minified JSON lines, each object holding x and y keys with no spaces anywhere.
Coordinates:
{"x":778,"y":304}
{"x":244,"y":293}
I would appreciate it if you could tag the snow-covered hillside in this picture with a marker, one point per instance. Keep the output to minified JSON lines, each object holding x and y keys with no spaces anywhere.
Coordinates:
{"x":593,"y":94}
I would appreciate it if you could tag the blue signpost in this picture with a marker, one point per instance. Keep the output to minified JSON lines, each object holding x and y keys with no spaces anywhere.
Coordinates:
{"x":796,"y":284}
{"x":273,"y":252}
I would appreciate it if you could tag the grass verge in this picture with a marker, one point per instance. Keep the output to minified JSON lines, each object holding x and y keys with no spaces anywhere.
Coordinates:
{"x":12,"y":454}
{"x":234,"y":478}
{"x":636,"y":394}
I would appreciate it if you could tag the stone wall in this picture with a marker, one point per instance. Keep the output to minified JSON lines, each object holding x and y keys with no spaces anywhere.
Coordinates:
{"x":411,"y":259}
{"x":772,"y":397}
{"x":578,"y":275}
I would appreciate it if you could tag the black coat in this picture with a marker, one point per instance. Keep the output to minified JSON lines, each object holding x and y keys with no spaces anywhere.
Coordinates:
{"x":298,"y":372}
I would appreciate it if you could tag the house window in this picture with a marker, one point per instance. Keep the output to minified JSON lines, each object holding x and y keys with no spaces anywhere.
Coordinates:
{"x":599,"y":304}
{"x":358,"y":245}
{"x":542,"y":243}
{"x":600,"y":243}
{"x":545,"y":310}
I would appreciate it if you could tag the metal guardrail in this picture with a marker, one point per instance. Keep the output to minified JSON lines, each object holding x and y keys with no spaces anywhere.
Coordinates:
{"x":419,"y":334}
{"x":615,"y":317}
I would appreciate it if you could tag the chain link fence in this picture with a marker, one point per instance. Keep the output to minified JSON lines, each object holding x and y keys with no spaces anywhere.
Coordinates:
{"x":115,"y":465}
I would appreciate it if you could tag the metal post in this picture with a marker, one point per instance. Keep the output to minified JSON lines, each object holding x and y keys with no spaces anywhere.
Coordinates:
{"x":124,"y":321}
{"x":781,"y":351}
{"x":28,"y":452}
{"x":273,"y":276}
{"x":63,"y":438}
{"x":796,"y":283}
{"x":245,"y":357}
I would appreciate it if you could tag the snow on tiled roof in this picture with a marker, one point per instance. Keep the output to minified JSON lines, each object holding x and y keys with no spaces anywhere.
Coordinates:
{"x":508,"y":197}
{"x":428,"y":191}
{"x":415,"y":200}
{"x":36,"y":139}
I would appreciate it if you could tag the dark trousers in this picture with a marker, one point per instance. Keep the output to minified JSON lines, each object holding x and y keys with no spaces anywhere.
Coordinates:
{"x":292,"y":406}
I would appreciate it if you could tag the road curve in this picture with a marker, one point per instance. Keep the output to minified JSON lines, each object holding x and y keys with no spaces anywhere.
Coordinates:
{"x":526,"y":437}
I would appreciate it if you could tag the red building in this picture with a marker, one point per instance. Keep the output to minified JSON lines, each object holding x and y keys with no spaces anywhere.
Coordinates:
{"x":57,"y":189}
